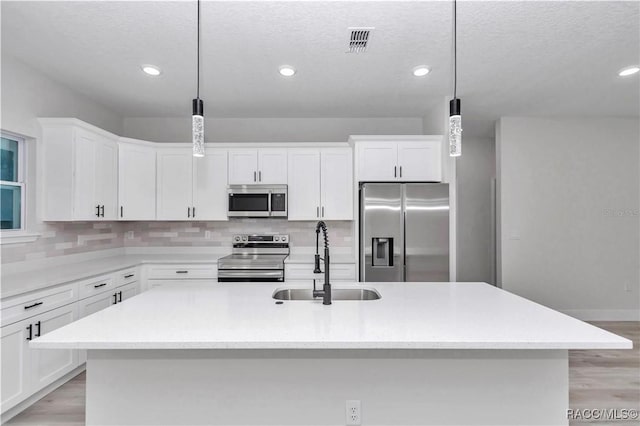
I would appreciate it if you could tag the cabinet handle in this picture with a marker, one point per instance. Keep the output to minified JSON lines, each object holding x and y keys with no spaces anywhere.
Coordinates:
{"x":38,"y":324}
{"x":182,"y":272}
{"x":400,"y":171}
{"x":30,"y":328}
{"x":115,"y":298}
{"x":102,"y":210}
{"x":395,"y":171}
{"x":98,"y":210}
{"x":254,"y":176}
{"x":119,"y":296}
{"x":260,"y":176}
{"x":121,"y":211}
{"x":99,"y":285}
{"x":34,"y":305}
{"x":188,"y":211}
{"x":193,"y":211}
{"x":129,"y":275}
{"x":322,"y":211}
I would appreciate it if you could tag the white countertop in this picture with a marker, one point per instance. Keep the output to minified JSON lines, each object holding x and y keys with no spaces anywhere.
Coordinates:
{"x":35,"y":279}
{"x":408,"y":316}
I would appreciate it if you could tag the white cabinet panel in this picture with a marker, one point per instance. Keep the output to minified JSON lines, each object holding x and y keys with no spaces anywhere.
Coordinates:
{"x":96,"y":303}
{"x":174,"y":184}
{"x":210,"y":185}
{"x":107,"y":178}
{"x":420,"y":161}
{"x":243,"y":166}
{"x":336,"y":184}
{"x":48,"y":365}
{"x":136,"y":182}
{"x":272,"y":166}
{"x":127,"y":291}
{"x":16,"y":363}
{"x":304,"y":184}
{"x":378,"y":161}
{"x":85,"y":178}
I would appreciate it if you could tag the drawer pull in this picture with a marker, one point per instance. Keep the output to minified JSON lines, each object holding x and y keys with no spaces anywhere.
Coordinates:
{"x":99,"y":285}
{"x":38,"y":325}
{"x":33,"y":306}
{"x":182,"y":272}
{"x":129,"y":275}
{"x":30,"y":328}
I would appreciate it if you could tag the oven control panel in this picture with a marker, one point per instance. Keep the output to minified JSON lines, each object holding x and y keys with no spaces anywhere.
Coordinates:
{"x":261,"y":239}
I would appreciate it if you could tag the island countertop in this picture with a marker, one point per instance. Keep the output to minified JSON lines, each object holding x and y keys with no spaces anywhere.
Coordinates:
{"x":213,"y":315}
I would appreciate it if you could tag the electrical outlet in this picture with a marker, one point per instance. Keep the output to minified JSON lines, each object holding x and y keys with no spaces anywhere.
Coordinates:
{"x":353,"y":412}
{"x":207,"y":235}
{"x":627,"y":287}
{"x":129,"y":235}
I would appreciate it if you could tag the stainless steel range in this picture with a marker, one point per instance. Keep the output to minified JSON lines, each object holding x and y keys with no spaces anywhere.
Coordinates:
{"x":255,"y":258}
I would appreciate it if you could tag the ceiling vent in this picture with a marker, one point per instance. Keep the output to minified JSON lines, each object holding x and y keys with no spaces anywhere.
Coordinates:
{"x":359,"y":39}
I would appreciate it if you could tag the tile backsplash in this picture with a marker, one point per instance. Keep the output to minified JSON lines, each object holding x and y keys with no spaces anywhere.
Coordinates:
{"x":62,"y":238}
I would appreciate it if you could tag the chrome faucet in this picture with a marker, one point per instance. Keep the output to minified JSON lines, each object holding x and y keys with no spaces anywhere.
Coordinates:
{"x":325,"y":293}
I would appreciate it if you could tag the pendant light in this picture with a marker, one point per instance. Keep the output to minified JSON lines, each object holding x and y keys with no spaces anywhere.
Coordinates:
{"x":197,"y":119}
{"x":455,"y":118}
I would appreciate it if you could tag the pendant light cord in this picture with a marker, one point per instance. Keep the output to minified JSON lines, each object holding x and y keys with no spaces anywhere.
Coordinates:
{"x":198,"y":60}
{"x":455,"y":50}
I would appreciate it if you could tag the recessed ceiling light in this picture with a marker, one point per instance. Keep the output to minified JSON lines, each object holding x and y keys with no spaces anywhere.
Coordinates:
{"x":287,"y":71}
{"x":634,"y":69}
{"x":421,"y":71}
{"x":151,"y":70}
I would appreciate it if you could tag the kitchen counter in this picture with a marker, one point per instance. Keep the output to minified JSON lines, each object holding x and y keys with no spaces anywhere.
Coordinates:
{"x":423,"y":354}
{"x":38,"y":278}
{"x":408,"y":316}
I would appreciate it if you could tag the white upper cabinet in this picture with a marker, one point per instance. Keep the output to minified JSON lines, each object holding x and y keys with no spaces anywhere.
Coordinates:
{"x":304,"y":184}
{"x":320,"y":184}
{"x":191,"y":188}
{"x":336,"y":174}
{"x":254,"y":166}
{"x":136,"y":181}
{"x":417,"y":160}
{"x":210,"y":185}
{"x":175,"y":175}
{"x":80,"y":164}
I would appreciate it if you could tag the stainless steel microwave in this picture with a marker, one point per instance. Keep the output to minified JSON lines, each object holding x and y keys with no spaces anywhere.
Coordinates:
{"x":257,"y":201}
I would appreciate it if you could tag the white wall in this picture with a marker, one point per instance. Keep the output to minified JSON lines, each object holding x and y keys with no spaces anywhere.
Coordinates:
{"x":178,"y":129}
{"x":569,"y":209}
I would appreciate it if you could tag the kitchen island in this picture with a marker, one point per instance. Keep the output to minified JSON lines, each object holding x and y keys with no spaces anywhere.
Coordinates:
{"x":425,"y":353}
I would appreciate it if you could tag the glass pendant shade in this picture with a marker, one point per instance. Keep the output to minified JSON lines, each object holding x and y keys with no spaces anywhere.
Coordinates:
{"x":455,"y":128}
{"x":198,"y":128}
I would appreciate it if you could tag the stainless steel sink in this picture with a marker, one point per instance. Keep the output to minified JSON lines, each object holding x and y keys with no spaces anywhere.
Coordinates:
{"x":337,"y":294}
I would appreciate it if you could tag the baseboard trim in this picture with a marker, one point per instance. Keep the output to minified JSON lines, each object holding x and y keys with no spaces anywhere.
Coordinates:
{"x":17,"y":409}
{"x":604,"y":314}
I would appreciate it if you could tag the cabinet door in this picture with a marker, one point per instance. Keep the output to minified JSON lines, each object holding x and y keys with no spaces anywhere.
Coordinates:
{"x":377,"y":161}
{"x":136,"y":182}
{"x":210,"y":185}
{"x":16,"y":364}
{"x":336,"y":184}
{"x":107,"y":178}
{"x":304,"y":184}
{"x":420,"y":161}
{"x":272,"y":166}
{"x":243,"y":166}
{"x":174,"y":184}
{"x":85,"y":197}
{"x":127,"y":291}
{"x":48,"y":365}
{"x":96,"y":303}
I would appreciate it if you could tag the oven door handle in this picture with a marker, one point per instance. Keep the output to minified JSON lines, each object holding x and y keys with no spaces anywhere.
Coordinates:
{"x":262,"y":273}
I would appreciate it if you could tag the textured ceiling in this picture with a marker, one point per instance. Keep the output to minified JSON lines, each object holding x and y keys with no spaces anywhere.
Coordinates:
{"x":515,"y":58}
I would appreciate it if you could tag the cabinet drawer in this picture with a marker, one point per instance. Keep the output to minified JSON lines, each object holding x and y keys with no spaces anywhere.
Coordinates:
{"x":95,"y":285}
{"x":182,"y":272}
{"x":127,"y":276}
{"x":25,"y":306}
{"x":304,"y":271}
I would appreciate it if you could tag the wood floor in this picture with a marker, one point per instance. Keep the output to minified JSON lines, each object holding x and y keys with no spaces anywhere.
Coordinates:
{"x":597,"y":379}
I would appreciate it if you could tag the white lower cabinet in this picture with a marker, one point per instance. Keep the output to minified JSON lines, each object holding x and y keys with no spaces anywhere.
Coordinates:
{"x":25,"y":371}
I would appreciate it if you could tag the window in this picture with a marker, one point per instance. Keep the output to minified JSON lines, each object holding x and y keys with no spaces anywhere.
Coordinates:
{"x":12,"y":190}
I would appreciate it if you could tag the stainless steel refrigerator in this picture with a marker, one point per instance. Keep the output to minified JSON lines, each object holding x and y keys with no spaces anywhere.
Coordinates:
{"x":404,"y":232}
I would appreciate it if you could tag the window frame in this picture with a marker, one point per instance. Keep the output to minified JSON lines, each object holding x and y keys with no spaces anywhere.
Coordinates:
{"x":19,"y":235}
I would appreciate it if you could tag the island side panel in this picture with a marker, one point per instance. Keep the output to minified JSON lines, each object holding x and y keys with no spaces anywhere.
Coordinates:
{"x":310,"y":387}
